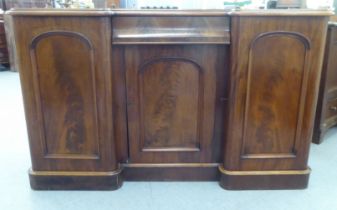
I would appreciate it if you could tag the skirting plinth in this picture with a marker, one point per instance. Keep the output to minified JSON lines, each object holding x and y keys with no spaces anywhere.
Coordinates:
{"x":264,"y":180}
{"x":171,"y":172}
{"x":64,"y":180}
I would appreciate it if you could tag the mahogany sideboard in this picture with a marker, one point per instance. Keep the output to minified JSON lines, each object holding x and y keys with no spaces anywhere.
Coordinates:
{"x":114,"y":95}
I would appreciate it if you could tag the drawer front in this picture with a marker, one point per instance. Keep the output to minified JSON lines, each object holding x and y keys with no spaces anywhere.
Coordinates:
{"x":331,"y":109}
{"x":171,"y":30}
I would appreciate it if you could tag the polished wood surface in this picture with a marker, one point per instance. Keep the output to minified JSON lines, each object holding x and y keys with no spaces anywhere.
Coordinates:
{"x":169,"y":95}
{"x":271,"y":105}
{"x":171,"y":172}
{"x":161,"y":13}
{"x":172,"y":30}
{"x":273,"y":92}
{"x":70,"y":92}
{"x":326,"y":113}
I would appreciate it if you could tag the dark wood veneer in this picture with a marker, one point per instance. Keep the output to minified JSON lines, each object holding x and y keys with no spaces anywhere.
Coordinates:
{"x":169,"y":95}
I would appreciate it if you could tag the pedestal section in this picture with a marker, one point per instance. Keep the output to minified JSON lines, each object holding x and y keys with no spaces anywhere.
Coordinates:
{"x":263,"y":180}
{"x":64,"y":180}
{"x":272,"y":98}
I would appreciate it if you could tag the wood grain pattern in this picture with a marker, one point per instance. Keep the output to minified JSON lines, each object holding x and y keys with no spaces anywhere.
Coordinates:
{"x":170,"y":116}
{"x":68,"y":105}
{"x":268,"y":112}
{"x":166,"y":86}
{"x":65,"y":72}
{"x":276,"y":134}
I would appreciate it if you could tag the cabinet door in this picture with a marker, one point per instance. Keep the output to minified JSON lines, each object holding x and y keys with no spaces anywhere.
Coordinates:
{"x":172,"y":96}
{"x":66,"y":80}
{"x":274,"y":91}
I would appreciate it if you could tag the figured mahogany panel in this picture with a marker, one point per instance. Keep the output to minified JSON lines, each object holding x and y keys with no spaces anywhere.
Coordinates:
{"x":66,"y":77}
{"x":172,"y":97}
{"x":276,"y":80}
{"x":273,"y":91}
{"x":68,"y":104}
{"x":169,"y":88}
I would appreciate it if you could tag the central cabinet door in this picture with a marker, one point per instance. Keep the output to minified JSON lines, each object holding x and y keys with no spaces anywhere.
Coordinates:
{"x":171,"y":97}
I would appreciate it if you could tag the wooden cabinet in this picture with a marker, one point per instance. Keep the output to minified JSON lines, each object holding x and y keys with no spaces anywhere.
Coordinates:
{"x":326,"y":113}
{"x":169,"y":95}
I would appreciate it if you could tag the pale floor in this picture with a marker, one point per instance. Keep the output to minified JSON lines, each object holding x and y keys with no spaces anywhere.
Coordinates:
{"x":15,"y":192}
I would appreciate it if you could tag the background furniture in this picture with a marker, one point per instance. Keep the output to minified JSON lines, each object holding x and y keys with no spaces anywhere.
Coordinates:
{"x":326,"y":113}
{"x":9,"y":4}
{"x":4,"y":60}
{"x":290,"y":3}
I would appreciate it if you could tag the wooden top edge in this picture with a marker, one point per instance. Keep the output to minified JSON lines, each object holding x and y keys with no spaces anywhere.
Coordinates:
{"x":58,"y":12}
{"x":126,"y":12}
{"x":114,"y":12}
{"x":283,"y":12}
{"x":157,"y":12}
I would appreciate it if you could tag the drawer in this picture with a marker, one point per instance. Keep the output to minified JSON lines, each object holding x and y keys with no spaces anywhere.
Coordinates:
{"x":331,"y":109}
{"x":171,"y":30}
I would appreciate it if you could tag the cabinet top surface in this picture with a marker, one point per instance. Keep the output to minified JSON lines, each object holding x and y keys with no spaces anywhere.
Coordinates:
{"x":124,"y":12}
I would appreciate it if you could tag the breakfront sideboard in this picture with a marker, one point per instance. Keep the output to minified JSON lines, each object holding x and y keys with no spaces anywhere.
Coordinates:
{"x":113,"y":95}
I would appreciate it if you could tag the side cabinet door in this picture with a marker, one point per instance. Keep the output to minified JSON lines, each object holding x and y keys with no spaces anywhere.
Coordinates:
{"x":171,"y":96}
{"x":273,"y":92}
{"x":66,"y":80}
